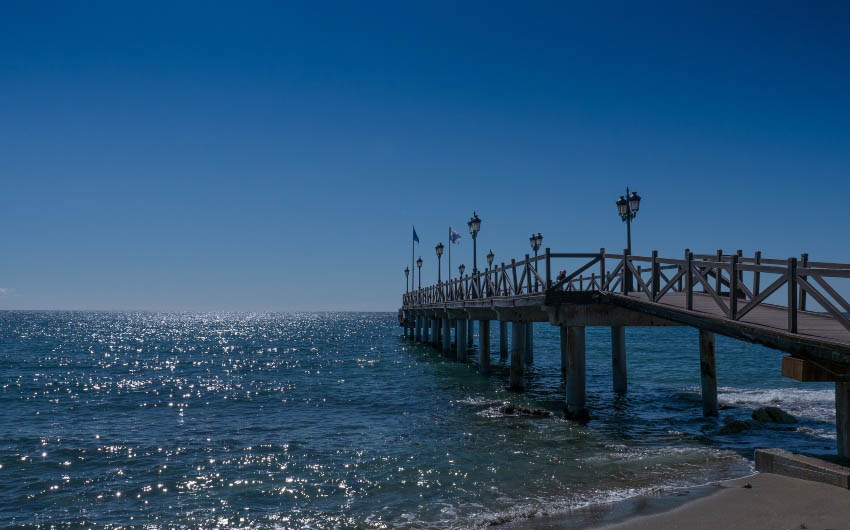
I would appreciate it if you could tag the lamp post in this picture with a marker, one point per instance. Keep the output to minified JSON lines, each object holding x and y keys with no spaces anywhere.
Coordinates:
{"x":474,"y":226}
{"x":628,"y":207}
{"x":406,"y":283}
{"x":439,"y":249}
{"x":461,"y":268}
{"x":419,"y":264}
{"x":536,"y":241}
{"x":490,"y":258}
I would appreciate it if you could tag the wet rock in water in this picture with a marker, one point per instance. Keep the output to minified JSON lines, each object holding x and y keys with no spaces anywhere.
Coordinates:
{"x":582,"y":416}
{"x":736,"y":426}
{"x":773,"y":415}
{"x":509,"y":409}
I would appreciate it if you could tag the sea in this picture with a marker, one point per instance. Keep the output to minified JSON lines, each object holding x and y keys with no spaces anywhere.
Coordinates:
{"x":333,"y":420}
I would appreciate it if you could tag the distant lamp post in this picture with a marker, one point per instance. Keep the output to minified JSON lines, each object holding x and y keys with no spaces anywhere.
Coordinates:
{"x":439,"y":249}
{"x":628,"y":207}
{"x":474,"y":226}
{"x":461,"y":268}
{"x":490,"y":258}
{"x":419,"y":264}
{"x":536,"y":241}
{"x":406,"y":282}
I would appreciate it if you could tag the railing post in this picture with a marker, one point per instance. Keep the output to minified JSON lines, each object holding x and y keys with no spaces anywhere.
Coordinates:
{"x":656,"y":275}
{"x":504,"y":283}
{"x":689,"y":278}
{"x":548,"y":270}
{"x":740,"y":260}
{"x":626,"y":276}
{"x":792,"y":295}
{"x":733,"y":288}
{"x":528,"y":273}
{"x":804,"y":262}
{"x":602,"y":268}
{"x":757,"y":274}
{"x":640,"y":277}
{"x":718,"y":285}
{"x":513,"y":267}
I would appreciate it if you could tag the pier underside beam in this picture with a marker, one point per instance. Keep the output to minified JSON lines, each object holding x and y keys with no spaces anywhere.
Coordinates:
{"x":564,"y":348}
{"x":517,"y":348}
{"x":618,"y":358}
{"x":447,"y":337}
{"x":484,"y":346}
{"x":460,"y":340}
{"x":842,"y":418}
{"x":576,"y":377}
{"x":503,"y":339}
{"x":708,"y":373}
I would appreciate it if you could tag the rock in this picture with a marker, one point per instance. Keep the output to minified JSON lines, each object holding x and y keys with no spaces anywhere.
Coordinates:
{"x":736,"y":426}
{"x":773,"y":415}
{"x":509,"y":409}
{"x":747,"y":486}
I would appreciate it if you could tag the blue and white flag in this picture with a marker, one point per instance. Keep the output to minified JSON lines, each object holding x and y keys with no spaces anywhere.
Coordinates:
{"x":454,"y":237}
{"x":415,"y":237}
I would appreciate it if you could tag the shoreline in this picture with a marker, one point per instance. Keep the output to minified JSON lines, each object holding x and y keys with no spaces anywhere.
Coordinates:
{"x":771,"y":501}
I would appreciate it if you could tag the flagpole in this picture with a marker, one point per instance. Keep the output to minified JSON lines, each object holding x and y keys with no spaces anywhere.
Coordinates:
{"x":412,"y":253}
{"x":450,"y":253}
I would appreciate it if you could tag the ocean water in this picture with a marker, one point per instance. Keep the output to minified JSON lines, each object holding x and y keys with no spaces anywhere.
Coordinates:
{"x":331,"y":420}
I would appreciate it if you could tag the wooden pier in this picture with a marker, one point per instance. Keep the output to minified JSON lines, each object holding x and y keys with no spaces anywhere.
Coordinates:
{"x":727,"y":294}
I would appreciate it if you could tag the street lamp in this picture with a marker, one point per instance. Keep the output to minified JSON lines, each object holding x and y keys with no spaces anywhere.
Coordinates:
{"x":536,"y":241}
{"x":439,"y":249}
{"x":627,"y":207}
{"x":419,"y":264}
{"x":490,"y":257}
{"x":474,"y":226}
{"x":406,"y":283}
{"x":461,"y":268}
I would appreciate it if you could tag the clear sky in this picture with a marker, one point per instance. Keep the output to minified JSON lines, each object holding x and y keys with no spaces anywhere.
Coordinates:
{"x":261,"y":156}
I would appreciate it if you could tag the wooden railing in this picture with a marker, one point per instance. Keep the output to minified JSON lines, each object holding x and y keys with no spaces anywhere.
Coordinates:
{"x":736,"y":284}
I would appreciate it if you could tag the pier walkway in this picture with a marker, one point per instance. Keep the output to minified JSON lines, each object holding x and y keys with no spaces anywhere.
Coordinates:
{"x":787,"y":304}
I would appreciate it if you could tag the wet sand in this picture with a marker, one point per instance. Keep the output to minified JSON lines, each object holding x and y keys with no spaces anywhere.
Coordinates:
{"x":772,"y":502}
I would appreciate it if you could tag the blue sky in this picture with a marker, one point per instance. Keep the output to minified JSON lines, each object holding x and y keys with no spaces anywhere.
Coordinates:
{"x":254,"y":156}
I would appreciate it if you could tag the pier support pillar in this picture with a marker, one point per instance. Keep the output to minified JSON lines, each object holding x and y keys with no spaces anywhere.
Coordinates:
{"x":503,"y":339}
{"x":461,"y":340}
{"x":528,"y":355}
{"x":435,"y":333}
{"x":576,"y":381}
{"x":618,"y":358}
{"x":418,"y":331}
{"x":708,"y":373}
{"x":426,"y":328}
{"x":404,"y":331}
{"x":564,"y":362}
{"x":517,"y":350}
{"x":842,"y":417}
{"x":471,"y":332}
{"x":483,"y":346}
{"x":447,"y":337}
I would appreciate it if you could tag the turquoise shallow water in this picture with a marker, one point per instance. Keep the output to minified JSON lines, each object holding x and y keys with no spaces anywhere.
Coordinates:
{"x":332,"y":421}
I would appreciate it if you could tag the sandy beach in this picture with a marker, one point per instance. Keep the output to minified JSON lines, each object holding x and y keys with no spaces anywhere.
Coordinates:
{"x":773,"y":502}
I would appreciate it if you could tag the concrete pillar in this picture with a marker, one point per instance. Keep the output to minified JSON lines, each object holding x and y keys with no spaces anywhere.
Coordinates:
{"x":471,"y":332}
{"x":435,"y":333}
{"x":418,"y":331}
{"x":461,"y":340}
{"x":404,"y":331}
{"x":483,"y":346}
{"x":576,"y":380}
{"x":618,"y":358}
{"x":426,"y":329}
{"x":503,"y":339}
{"x":708,"y":373}
{"x":564,"y":362}
{"x":447,"y":337}
{"x":842,"y":418}
{"x":528,"y":355}
{"x":517,"y":350}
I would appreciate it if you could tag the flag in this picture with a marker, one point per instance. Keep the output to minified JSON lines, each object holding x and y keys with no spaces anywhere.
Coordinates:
{"x":415,"y":237}
{"x":454,"y":237}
